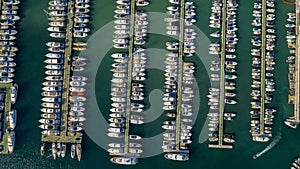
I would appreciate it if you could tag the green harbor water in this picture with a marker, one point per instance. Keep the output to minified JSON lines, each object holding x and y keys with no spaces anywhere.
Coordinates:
{"x":30,"y":73}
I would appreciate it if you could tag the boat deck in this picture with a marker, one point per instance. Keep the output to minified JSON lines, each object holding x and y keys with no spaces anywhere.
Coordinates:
{"x":5,"y":87}
{"x":63,"y":137}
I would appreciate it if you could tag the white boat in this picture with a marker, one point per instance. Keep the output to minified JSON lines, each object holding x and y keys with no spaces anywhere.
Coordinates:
{"x":124,"y":160}
{"x":14,"y":93}
{"x":119,"y":55}
{"x":12,"y":119}
{"x":116,"y":145}
{"x":75,"y":128}
{"x":77,"y":89}
{"x":135,"y":150}
{"x":54,"y":61}
{"x":134,"y":137}
{"x":81,"y":20}
{"x":79,"y":78}
{"x":77,"y":98}
{"x":76,"y":118}
{"x":51,"y":99}
{"x":49,"y":110}
{"x":122,"y":22}
{"x":11,"y":141}
{"x":141,"y":3}
{"x":54,"y":55}
{"x":76,"y":113}
{"x":116,"y":130}
{"x":77,"y":108}
{"x":73,"y":150}
{"x":177,"y":156}
{"x":122,"y":11}
{"x":261,"y":138}
{"x":54,"y":72}
{"x":77,"y":83}
{"x":49,"y":121}
{"x":52,"y":88}
{"x":54,"y":67}
{"x":52,"y":83}
{"x":116,"y":135}
{"x":54,"y":78}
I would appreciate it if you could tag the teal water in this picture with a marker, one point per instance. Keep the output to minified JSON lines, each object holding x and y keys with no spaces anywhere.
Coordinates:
{"x":30,"y":72}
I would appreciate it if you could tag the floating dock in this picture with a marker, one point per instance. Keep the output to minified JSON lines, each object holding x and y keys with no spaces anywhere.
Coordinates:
{"x":64,"y":137}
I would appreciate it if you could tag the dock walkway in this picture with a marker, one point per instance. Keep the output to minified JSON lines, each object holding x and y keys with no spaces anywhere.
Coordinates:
{"x":129,"y":76}
{"x":222,"y":75}
{"x":263,"y":67}
{"x":180,"y":71}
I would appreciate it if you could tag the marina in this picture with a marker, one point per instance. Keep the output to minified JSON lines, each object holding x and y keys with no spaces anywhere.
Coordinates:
{"x":236,"y":90}
{"x":63,"y":94}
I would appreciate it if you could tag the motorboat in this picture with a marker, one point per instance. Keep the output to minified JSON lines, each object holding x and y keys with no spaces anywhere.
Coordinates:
{"x":50,"y":110}
{"x":124,"y":160}
{"x":11,"y":141}
{"x":177,"y":156}
{"x":12,"y":119}
{"x":14,"y":93}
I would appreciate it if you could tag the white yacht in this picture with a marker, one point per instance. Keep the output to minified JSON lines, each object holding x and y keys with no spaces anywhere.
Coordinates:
{"x":11,"y":141}
{"x":14,"y":93}
{"x":12,"y":119}
{"x":124,"y":160}
{"x":177,"y":156}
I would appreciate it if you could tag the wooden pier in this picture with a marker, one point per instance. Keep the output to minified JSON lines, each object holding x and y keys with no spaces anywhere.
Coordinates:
{"x":129,"y":76}
{"x":263,"y":68}
{"x":179,"y":81}
{"x":64,"y":137}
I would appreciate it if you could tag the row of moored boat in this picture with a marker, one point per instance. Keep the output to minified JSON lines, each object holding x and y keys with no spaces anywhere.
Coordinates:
{"x":262,"y":80}
{"x":127,"y":67}
{"x":51,"y":117}
{"x":8,"y":19}
{"x":179,"y":74}
{"x":229,"y":51}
